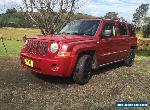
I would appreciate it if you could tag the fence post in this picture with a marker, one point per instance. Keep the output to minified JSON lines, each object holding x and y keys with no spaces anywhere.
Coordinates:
{"x":3,"y":44}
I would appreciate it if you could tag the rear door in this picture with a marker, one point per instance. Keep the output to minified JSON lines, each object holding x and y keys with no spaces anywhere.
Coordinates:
{"x":123,"y":41}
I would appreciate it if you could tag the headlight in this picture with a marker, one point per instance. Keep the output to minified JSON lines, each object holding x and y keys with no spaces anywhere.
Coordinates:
{"x":54,"y":47}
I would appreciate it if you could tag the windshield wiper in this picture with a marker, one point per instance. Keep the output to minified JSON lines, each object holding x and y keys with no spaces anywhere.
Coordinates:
{"x":75,"y":33}
{"x":84,"y":34}
{"x":65,"y":33}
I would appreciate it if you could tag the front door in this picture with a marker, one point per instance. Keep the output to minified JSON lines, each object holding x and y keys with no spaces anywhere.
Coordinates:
{"x":106,"y":47}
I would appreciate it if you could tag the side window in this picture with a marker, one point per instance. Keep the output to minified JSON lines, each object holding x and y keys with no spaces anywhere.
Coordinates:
{"x":122,"y":30}
{"x":110,"y":26}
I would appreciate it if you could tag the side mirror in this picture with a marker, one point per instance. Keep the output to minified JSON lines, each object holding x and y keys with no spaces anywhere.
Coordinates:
{"x":106,"y":33}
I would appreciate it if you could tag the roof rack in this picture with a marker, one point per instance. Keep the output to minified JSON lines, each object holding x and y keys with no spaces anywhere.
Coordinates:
{"x":115,"y":19}
{"x":111,"y":19}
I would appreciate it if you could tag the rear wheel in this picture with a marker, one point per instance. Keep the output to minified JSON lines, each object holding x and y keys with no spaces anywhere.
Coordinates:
{"x":129,"y":61}
{"x":82,"y":72}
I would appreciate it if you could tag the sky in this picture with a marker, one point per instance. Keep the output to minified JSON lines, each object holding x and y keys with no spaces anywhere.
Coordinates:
{"x":125,"y":8}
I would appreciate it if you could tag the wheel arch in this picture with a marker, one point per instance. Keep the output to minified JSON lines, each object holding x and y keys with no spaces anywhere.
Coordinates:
{"x":133,"y":47}
{"x":88,"y":52}
{"x":92,"y":53}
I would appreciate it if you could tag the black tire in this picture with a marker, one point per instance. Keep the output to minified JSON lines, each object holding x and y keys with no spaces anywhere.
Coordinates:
{"x":82,"y":71}
{"x":129,"y":61}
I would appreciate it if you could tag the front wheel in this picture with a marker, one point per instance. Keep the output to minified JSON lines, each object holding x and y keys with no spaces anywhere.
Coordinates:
{"x":82,"y":72}
{"x":129,"y":61}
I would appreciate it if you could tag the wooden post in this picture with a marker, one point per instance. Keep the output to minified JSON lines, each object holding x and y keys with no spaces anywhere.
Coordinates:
{"x":4,"y":44}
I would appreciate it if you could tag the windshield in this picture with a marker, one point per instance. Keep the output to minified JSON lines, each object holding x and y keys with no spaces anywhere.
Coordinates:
{"x":81,"y":27}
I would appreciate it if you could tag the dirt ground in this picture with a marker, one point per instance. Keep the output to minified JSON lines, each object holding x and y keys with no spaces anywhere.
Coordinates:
{"x":21,"y":90}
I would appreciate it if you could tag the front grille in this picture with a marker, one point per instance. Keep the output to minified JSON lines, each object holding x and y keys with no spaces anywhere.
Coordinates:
{"x":37,"y":47}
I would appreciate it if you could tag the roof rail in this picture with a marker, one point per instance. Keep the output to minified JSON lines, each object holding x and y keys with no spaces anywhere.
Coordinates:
{"x":115,"y":19}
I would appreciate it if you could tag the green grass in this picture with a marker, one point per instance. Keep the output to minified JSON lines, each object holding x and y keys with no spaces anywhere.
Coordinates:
{"x":13,"y":48}
{"x":143,"y":53}
{"x":13,"y":34}
{"x":18,"y":33}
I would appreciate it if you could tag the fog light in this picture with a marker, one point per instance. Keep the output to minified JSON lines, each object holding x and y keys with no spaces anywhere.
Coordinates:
{"x":55,"y":67}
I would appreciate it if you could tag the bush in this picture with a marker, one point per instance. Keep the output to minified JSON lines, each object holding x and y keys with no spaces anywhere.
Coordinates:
{"x":146,"y":31}
{"x":15,"y":20}
{"x":143,"y":44}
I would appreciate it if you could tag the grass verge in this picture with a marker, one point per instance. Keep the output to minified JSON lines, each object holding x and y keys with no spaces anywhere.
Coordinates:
{"x":13,"y":48}
{"x":18,"y":33}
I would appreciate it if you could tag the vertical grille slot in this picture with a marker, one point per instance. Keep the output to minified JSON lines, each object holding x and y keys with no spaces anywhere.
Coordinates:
{"x":37,"y":47}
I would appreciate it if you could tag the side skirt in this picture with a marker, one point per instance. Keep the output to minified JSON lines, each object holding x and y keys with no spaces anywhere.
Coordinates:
{"x":109,"y":63}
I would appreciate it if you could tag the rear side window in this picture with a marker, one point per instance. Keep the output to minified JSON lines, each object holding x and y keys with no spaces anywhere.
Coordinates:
{"x":122,"y":30}
{"x":131,"y":30}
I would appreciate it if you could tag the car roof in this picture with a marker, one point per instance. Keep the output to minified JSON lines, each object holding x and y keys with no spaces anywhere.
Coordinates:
{"x":116,"y":20}
{"x":88,"y":20}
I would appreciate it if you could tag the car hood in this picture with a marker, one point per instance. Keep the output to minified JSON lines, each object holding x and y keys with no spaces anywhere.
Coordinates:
{"x":65,"y":38}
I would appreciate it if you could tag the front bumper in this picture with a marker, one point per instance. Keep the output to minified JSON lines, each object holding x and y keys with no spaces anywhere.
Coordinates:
{"x":58,"y":66}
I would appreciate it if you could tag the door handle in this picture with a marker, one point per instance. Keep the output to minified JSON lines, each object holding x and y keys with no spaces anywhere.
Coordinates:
{"x":127,"y":41}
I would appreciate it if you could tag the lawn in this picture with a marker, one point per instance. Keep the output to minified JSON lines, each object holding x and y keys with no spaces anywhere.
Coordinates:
{"x":13,"y":48}
{"x":13,"y":39}
{"x":18,"y":33}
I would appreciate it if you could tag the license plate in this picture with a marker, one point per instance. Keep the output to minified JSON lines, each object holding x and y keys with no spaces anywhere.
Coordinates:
{"x":28,"y":62}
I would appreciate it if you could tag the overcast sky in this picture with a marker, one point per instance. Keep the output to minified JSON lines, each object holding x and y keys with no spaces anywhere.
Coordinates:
{"x":125,"y":8}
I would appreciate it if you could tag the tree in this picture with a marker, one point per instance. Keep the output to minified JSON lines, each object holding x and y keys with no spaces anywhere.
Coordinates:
{"x":50,"y":15}
{"x":110,"y":15}
{"x":146,"y":30}
{"x":114,"y":15}
{"x":11,"y":11}
{"x":147,"y":20}
{"x":140,"y":14}
{"x":146,"y":27}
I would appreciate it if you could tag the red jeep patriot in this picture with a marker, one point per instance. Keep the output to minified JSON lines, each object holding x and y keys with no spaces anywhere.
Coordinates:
{"x":81,"y":46}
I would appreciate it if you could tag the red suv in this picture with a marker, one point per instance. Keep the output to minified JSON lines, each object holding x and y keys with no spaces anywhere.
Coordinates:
{"x":81,"y":46}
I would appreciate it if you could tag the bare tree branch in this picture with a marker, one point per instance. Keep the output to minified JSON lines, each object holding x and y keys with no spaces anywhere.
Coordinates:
{"x":49,"y":15}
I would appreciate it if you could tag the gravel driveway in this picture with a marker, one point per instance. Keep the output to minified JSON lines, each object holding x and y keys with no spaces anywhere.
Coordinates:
{"x":21,"y":90}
